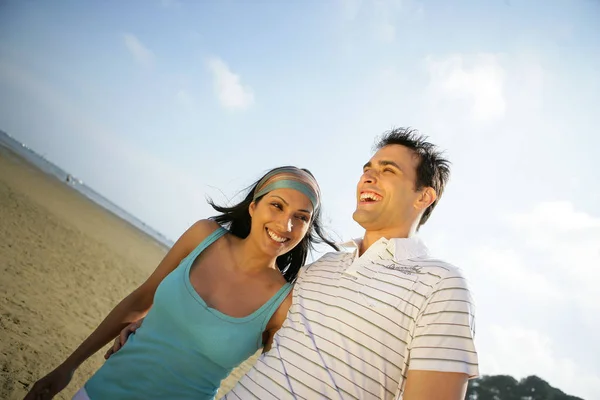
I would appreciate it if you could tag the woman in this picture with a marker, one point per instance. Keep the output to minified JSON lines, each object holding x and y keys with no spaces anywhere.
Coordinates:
{"x":212,"y":302}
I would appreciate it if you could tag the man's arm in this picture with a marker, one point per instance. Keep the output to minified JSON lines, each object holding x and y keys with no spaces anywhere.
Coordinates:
{"x":441,"y":353}
{"x":426,"y":385}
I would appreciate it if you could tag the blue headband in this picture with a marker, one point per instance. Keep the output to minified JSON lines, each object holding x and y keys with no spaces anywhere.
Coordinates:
{"x":290,"y":184}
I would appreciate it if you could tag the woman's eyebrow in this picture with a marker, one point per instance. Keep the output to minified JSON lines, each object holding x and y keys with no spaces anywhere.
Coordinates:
{"x":286,"y":203}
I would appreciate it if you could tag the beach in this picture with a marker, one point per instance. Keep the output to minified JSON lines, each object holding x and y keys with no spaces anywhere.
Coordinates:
{"x":65,"y":262}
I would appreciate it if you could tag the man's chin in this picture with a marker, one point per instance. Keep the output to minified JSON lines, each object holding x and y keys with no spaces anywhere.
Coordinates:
{"x":362,"y":216}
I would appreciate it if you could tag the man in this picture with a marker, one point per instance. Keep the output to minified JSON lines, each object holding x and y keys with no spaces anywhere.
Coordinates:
{"x":384,"y":320}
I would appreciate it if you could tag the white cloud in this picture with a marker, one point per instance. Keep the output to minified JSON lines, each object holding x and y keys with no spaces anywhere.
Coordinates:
{"x":379,"y":15}
{"x":527,"y":82}
{"x":522,"y":352}
{"x":506,"y":267}
{"x":474,"y":84}
{"x":538,"y":314}
{"x":567,"y":243}
{"x":553,"y":217}
{"x":230,"y":91}
{"x":141,"y":53}
{"x":552,"y":257}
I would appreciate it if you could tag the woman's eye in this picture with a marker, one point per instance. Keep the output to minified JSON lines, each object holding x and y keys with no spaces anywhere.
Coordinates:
{"x":276,"y":205}
{"x":303,"y":218}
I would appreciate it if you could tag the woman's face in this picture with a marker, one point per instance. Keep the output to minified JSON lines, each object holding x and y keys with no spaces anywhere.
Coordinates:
{"x":280,"y":220}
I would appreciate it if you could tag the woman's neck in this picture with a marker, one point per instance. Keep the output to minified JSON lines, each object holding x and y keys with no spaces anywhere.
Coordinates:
{"x":249,"y":258}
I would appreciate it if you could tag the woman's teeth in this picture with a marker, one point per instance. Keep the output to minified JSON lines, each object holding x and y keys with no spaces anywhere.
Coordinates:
{"x":276,"y":237}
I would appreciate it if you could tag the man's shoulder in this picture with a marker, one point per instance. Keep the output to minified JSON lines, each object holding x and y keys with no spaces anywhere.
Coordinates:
{"x":330,"y":259}
{"x":332,"y":256}
{"x":443,"y":277}
{"x":437,"y":270}
{"x":434,"y":263}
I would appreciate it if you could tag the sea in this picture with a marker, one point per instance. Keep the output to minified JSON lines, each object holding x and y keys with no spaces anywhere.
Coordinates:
{"x":54,"y":171}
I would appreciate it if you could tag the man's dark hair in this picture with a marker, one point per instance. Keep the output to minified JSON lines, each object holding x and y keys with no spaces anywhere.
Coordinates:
{"x":433,"y":169}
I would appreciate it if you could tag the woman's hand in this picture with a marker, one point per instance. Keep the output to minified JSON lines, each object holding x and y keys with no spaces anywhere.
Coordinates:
{"x":122,"y":338}
{"x":50,"y":385}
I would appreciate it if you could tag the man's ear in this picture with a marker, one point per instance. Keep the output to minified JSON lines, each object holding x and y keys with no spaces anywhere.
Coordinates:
{"x":425,"y":199}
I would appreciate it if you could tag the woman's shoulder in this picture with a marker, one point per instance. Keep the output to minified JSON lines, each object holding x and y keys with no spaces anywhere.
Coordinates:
{"x":204,"y":227}
{"x":199,"y":231}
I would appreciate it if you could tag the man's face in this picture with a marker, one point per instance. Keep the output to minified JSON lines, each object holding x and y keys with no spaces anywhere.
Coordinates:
{"x":386,"y":193}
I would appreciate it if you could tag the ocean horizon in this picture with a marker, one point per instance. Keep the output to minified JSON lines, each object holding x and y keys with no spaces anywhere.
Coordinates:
{"x":70,"y":179}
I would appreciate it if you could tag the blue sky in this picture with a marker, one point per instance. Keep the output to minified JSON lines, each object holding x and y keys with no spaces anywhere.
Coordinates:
{"x":156,"y":104}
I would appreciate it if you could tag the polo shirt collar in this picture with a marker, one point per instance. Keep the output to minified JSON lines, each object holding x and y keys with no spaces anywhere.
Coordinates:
{"x":400,"y":248}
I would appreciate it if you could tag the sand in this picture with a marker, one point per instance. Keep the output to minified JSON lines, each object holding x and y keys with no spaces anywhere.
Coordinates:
{"x":65,"y":262}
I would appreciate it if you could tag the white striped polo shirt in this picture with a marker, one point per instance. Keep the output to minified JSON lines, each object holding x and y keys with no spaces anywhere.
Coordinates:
{"x":358,"y":324}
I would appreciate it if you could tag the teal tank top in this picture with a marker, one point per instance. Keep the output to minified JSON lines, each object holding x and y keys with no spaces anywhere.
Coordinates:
{"x":184,"y":348}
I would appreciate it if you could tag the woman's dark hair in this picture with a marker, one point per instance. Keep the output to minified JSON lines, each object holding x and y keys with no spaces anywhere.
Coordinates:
{"x":237,"y":220}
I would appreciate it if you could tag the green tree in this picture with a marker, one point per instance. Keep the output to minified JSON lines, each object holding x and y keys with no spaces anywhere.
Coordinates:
{"x":505,"y":387}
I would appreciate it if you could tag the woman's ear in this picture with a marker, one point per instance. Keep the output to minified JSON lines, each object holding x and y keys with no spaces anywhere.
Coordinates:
{"x":251,"y":209}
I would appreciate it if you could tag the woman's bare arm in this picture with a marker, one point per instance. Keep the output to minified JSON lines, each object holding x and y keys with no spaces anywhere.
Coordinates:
{"x":133,"y":307}
{"x":276,"y":322}
{"x":137,"y":304}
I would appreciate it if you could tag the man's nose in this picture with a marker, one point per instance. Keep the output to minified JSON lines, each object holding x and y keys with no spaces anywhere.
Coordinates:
{"x":369,"y":176}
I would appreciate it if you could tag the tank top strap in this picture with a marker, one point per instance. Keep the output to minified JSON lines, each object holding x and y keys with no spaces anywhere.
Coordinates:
{"x":274,"y":303}
{"x":210,"y":239}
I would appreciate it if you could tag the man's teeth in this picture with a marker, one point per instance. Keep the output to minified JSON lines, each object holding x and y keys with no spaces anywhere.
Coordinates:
{"x":276,"y":237}
{"x":370,"y":196}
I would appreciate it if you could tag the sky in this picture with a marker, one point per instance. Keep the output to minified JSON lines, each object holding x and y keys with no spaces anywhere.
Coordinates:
{"x":157,"y":104}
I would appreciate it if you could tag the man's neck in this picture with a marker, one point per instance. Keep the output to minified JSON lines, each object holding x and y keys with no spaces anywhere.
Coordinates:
{"x":371,"y":237}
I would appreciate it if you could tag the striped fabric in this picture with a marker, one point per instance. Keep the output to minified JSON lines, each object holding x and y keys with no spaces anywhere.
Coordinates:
{"x":358,"y":324}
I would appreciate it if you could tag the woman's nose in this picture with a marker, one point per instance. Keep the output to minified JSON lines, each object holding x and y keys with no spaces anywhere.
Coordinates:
{"x":285,"y":223}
